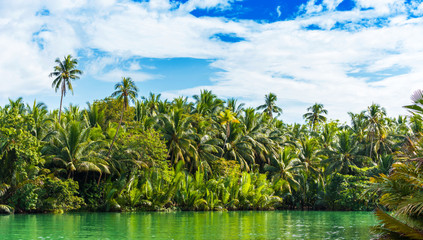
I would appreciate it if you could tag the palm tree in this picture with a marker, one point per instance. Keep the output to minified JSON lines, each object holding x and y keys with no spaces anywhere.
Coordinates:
{"x":93,"y":115}
{"x":238,"y":147}
{"x":344,"y":155}
{"x":125,"y":91}
{"x":152,"y":103}
{"x":358,"y":124}
{"x":417,"y":106}
{"x":72,"y":150}
{"x":226,"y":118}
{"x":38,"y":112}
{"x":315,"y":115}
{"x":376,"y":127}
{"x":270,"y":105}
{"x":309,"y":155}
{"x":18,"y":105}
{"x":232,"y":104}
{"x":256,"y":132}
{"x":64,"y":72}
{"x":284,"y":169}
{"x":182,"y":103}
{"x":207,"y":103}
{"x":177,"y":132}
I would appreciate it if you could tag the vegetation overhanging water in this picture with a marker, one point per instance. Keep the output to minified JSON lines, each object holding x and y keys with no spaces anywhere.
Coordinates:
{"x":209,"y":154}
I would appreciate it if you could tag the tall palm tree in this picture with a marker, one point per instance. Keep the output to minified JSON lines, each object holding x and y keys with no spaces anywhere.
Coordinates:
{"x":315,"y":115}
{"x":376,"y":127}
{"x":270,"y":105}
{"x":125,"y":91}
{"x":64,"y":72}
{"x":226,"y":118}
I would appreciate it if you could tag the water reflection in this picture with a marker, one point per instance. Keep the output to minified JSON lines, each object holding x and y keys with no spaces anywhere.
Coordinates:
{"x":190,"y":225}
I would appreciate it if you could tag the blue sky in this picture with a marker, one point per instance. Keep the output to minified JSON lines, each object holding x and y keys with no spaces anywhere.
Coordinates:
{"x":346,"y":54}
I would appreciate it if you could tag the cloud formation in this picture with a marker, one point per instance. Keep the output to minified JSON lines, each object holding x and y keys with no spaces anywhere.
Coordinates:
{"x":323,"y":55}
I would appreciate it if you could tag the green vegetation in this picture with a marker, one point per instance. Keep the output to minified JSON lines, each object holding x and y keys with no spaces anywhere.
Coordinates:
{"x":210,"y":154}
{"x":401,"y":188}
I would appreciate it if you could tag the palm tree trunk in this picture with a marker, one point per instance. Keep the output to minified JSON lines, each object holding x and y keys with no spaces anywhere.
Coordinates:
{"x":99,"y":178}
{"x":61,"y":100}
{"x":228,"y":132}
{"x":117,"y":131}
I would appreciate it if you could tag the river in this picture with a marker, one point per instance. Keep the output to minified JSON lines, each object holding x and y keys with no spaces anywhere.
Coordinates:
{"x":189,"y":225}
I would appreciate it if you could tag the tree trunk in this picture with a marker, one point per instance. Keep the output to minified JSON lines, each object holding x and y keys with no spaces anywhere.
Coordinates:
{"x":117,"y":131}
{"x":228,"y":132}
{"x":61,"y":100}
{"x":99,"y":178}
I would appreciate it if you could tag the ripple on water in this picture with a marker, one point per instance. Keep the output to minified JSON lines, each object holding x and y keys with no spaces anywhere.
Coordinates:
{"x":190,"y":225}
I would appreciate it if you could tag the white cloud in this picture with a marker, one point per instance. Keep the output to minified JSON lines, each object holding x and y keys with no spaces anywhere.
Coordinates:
{"x":204,"y":4}
{"x":278,"y":10}
{"x":301,"y":66}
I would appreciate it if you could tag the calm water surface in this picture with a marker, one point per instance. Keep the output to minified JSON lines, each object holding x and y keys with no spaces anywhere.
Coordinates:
{"x":190,"y":225}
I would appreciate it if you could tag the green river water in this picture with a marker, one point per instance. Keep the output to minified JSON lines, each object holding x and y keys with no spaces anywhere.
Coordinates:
{"x":189,"y":225}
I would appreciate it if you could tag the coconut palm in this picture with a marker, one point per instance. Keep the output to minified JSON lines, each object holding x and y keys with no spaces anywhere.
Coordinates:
{"x":38,"y":112}
{"x":417,"y":106}
{"x":315,"y":115}
{"x":237,"y":147}
{"x":225,"y":119}
{"x":125,"y":91}
{"x":309,"y":155}
{"x":71,"y":150}
{"x":17,"y":105}
{"x":256,"y":132}
{"x":358,"y":125}
{"x":206,"y":149}
{"x":207,"y":103}
{"x":343,"y":156}
{"x":152,"y":103}
{"x":93,"y":115}
{"x":284,"y":169}
{"x":64,"y":72}
{"x":72,"y":113}
{"x":178,"y":134}
{"x":182,"y":103}
{"x":270,"y":105}
{"x":376,"y":127}
{"x":232,"y":104}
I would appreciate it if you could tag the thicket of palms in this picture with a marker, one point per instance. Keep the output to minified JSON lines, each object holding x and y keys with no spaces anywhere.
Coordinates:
{"x":401,"y":187}
{"x":209,"y":154}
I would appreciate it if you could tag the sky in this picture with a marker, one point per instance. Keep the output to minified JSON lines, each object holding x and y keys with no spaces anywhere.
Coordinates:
{"x":345,"y":54}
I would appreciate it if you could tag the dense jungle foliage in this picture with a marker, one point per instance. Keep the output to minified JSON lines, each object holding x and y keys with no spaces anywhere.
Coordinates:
{"x":126,"y":153}
{"x":209,"y":154}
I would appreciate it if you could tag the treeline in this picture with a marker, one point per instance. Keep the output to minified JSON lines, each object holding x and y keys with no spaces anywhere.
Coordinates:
{"x":126,"y":153}
{"x":210,"y":154}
